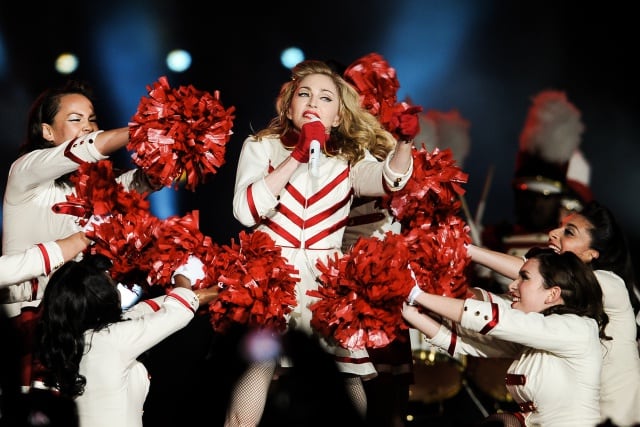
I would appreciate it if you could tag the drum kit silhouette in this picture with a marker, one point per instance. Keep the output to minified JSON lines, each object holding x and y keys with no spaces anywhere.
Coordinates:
{"x":439,"y":376}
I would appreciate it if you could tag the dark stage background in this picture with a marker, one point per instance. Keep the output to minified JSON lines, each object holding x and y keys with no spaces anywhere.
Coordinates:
{"x":484,"y":58}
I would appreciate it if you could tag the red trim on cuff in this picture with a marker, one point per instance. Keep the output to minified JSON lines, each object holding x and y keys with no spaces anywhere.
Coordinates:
{"x":68,"y":154}
{"x":495,"y":313}
{"x":45,"y":258}
{"x":453,"y":341}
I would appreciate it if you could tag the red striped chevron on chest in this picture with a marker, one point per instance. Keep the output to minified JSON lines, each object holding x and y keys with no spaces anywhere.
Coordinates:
{"x":293,"y":209}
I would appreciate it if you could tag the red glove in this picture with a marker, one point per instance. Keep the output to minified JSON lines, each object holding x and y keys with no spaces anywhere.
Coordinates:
{"x":409,"y":124}
{"x":310,"y":131}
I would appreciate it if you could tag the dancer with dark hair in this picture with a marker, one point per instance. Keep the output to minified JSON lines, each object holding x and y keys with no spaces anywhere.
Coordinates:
{"x":595,"y":236}
{"x":88,"y":348}
{"x":62,"y":133}
{"x":551,"y":327}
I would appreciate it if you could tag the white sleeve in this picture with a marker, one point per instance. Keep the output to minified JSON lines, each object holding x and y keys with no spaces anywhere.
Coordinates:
{"x":456,"y":340}
{"x":151,"y":321}
{"x":374,"y":178}
{"x":561,"y":334}
{"x":41,"y":259}
{"x":614,"y":292}
{"x":28,"y":172}
{"x":395,"y":181}
{"x":252,"y":199}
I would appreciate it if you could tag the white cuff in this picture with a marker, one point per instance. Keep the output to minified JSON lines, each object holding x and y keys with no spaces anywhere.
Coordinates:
{"x":395,"y":181}
{"x":52,"y":258}
{"x":414,"y":294}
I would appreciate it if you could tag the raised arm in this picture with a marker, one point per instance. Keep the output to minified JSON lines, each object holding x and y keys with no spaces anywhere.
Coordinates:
{"x":73,"y":245}
{"x":505,"y":264}
{"x":40,"y":259}
{"x":402,"y":158}
{"x":110,"y":141}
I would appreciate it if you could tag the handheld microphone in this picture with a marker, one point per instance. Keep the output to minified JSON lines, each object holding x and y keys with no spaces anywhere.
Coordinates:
{"x":314,"y":157}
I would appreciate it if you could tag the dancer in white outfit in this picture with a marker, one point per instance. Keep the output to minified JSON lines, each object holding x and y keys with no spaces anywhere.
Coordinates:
{"x":552,"y":330}
{"x":304,"y":206}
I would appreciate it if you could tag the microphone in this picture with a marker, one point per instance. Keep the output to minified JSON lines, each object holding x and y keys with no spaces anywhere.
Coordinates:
{"x":314,"y":157}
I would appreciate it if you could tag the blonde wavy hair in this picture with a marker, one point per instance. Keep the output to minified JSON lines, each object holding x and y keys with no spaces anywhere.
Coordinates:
{"x":358,"y":130}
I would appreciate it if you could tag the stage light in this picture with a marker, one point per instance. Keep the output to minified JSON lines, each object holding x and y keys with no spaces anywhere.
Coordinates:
{"x":178,"y":60}
{"x":291,"y":56}
{"x":66,"y":63}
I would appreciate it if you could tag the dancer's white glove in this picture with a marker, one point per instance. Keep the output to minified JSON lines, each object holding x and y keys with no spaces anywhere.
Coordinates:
{"x":193,"y":270}
{"x":415,"y":291}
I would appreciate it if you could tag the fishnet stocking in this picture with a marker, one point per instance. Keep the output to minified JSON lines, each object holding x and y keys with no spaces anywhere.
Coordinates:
{"x":249,"y":395}
{"x":355,"y":390}
{"x":502,"y":419}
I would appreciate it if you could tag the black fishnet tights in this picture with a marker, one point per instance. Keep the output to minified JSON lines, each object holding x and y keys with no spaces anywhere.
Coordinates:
{"x":249,"y":395}
{"x":503,"y":419}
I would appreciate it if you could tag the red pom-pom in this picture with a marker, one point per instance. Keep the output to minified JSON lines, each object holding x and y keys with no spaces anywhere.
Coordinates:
{"x":349,"y":309}
{"x":144,"y":250}
{"x":179,"y":132}
{"x":175,"y":239}
{"x":361,"y":293}
{"x":432,"y":192}
{"x":124,"y":238}
{"x":438,"y":257}
{"x":98,"y":192}
{"x":257,"y":284}
{"x":377,"y":83}
{"x":375,"y":80}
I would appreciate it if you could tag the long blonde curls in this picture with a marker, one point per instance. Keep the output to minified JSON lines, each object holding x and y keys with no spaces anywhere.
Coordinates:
{"x":358,"y":130}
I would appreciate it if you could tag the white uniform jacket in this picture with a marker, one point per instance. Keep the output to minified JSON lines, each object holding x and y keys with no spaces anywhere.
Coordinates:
{"x":35,"y":209}
{"x":620,"y":393}
{"x":555,"y":377}
{"x":42,"y":258}
{"x":367,"y":220}
{"x":307,"y":219}
{"x":117,"y":384}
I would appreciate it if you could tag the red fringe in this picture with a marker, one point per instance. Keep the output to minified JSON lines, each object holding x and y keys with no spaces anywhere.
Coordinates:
{"x":257,"y":284}
{"x":375,"y":80}
{"x":358,"y":289}
{"x":361,"y":293}
{"x":184,"y":132}
{"x":432,"y":192}
{"x":179,"y":133}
